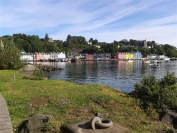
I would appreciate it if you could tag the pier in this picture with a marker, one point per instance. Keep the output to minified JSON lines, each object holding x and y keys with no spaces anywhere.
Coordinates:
{"x":5,"y":121}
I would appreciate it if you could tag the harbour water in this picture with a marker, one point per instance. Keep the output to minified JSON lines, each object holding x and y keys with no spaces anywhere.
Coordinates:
{"x":120,"y":75}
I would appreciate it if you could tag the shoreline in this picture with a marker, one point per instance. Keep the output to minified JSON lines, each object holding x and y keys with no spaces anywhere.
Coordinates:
{"x":99,"y":60}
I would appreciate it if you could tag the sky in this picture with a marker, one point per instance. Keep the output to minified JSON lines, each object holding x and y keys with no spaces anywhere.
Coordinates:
{"x":104,"y":20}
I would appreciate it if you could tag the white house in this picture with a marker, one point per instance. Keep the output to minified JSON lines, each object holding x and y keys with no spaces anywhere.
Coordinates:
{"x":27,"y":57}
{"x":61,"y":55}
{"x":98,"y":46}
{"x":152,"y":56}
{"x":89,"y":42}
{"x":160,"y":57}
{"x":46,"y":56}
{"x":53,"y":55}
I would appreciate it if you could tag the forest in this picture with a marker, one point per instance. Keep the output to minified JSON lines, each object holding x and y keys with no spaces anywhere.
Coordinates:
{"x":33,"y":43}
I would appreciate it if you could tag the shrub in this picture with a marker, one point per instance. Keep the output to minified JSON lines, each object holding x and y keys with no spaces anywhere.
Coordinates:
{"x":156,"y":93}
{"x":37,"y":75}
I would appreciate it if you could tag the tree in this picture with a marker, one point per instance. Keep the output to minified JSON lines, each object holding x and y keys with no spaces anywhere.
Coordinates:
{"x":95,"y":41}
{"x":68,"y":37}
{"x":46,"y":37}
{"x":133,"y":42}
{"x":10,"y":57}
{"x":91,"y":39}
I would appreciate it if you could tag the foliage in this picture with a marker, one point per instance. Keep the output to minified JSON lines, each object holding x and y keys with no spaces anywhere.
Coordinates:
{"x":46,"y":37}
{"x":37,"y":75}
{"x":32,"y":43}
{"x":157,"y":92}
{"x":10,"y":56}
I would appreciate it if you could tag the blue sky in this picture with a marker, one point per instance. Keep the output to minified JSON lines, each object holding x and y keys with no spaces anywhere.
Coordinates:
{"x":105,"y":20}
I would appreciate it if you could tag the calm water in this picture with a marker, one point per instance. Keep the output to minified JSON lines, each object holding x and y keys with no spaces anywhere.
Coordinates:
{"x":121,"y":75}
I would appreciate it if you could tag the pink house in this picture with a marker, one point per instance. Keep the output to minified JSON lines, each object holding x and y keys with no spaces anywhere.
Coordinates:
{"x":120,"y":55}
{"x":39,"y":56}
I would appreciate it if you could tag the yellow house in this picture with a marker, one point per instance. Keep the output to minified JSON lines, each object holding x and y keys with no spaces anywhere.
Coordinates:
{"x":129,"y":55}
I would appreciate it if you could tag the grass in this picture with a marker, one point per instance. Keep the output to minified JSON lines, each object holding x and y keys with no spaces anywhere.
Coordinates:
{"x":26,"y":98}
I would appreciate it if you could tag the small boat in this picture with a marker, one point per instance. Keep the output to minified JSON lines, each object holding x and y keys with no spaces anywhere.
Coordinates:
{"x":155,"y":65}
{"x":156,"y":61}
{"x":166,"y":59}
{"x":51,"y":60}
{"x":129,"y":60}
{"x":42,"y":60}
{"x":147,"y":61}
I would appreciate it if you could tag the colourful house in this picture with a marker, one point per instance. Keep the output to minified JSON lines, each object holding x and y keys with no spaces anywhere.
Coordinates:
{"x":129,"y":55}
{"x":137,"y":55}
{"x":120,"y":55}
{"x":39,"y":56}
{"x":89,"y":57}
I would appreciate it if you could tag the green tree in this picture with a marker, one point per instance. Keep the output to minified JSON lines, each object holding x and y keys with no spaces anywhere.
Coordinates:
{"x":10,"y":57}
{"x":46,"y":37}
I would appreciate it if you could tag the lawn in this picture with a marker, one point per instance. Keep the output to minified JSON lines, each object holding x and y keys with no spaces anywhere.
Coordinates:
{"x":26,"y":98}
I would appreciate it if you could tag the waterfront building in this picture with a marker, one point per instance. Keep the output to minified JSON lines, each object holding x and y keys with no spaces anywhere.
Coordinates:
{"x":46,"y":56}
{"x":160,"y":57}
{"x":129,"y":55}
{"x":137,"y":55}
{"x":38,"y":56}
{"x":61,"y":55}
{"x":124,"y":55}
{"x":27,"y":56}
{"x":97,"y":56}
{"x":120,"y":55}
{"x":89,"y":56}
{"x":152,"y":56}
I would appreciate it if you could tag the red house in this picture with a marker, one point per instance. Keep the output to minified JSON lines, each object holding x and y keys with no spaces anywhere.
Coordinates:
{"x":120,"y":55}
{"x":89,"y":57}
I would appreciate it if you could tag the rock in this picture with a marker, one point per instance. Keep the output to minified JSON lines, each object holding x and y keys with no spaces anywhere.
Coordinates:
{"x":63,"y":102}
{"x":35,"y":124}
{"x":169,"y":116}
{"x":85,"y":127}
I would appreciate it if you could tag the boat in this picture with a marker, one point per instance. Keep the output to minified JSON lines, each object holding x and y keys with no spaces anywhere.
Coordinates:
{"x":154,"y":65}
{"x":42,"y":60}
{"x":130,"y":60}
{"x":147,"y":61}
{"x":166,"y":59}
{"x":156,"y":61}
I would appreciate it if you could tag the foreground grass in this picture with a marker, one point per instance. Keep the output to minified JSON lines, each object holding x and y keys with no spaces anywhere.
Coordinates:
{"x":26,"y":98}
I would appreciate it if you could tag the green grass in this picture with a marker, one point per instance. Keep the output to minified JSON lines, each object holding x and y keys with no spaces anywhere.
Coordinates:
{"x":83,"y":102}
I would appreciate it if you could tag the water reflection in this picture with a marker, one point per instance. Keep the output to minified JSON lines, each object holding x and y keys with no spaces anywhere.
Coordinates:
{"x":120,"y":75}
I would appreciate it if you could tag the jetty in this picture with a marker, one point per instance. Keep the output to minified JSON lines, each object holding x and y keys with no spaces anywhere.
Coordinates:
{"x":5,"y":121}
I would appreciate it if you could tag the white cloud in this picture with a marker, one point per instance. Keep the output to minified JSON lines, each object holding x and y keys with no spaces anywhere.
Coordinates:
{"x":88,"y":18}
{"x":162,"y":35}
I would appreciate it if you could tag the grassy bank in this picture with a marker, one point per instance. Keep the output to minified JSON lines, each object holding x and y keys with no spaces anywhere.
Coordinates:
{"x":29,"y":97}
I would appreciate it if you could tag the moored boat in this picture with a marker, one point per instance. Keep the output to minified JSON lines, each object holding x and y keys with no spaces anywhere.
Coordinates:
{"x":166,"y":59}
{"x":154,"y":65}
{"x":147,"y":61}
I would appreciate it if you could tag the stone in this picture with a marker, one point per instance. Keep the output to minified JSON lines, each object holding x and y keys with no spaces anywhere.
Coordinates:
{"x":169,"y":116}
{"x":85,"y":127}
{"x":34,"y":124}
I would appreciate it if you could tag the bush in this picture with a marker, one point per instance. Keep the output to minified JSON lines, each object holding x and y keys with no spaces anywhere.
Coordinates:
{"x":155,"y":93}
{"x":10,"y":57}
{"x":37,"y":75}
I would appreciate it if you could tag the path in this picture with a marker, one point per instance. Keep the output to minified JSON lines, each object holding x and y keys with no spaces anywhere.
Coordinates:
{"x":5,"y":121}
